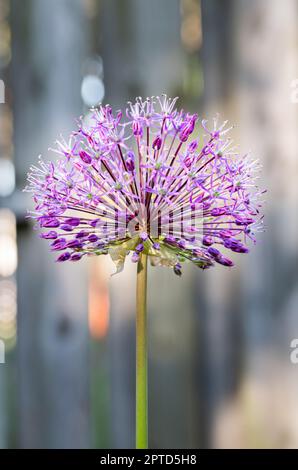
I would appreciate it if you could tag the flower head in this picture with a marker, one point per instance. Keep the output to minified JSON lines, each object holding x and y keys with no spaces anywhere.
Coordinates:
{"x":155,"y":183}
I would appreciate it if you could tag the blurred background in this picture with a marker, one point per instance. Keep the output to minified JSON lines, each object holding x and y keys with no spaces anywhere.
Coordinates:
{"x":220,"y":372}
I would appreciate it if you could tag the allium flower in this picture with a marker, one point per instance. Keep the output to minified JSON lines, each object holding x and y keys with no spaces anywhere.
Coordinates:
{"x":157,"y":184}
{"x":154,"y":186}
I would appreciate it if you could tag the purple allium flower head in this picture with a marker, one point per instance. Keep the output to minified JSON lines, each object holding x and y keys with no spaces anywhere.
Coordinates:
{"x":158,"y":183}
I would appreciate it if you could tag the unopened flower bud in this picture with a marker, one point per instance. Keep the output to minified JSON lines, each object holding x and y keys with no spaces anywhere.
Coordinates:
{"x":156,"y":145}
{"x":85,"y":157}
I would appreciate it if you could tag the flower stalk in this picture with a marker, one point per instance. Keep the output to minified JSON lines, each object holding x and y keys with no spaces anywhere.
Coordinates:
{"x":141,"y":356}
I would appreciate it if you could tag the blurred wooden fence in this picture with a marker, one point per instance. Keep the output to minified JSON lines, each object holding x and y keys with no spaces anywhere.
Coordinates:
{"x":219,"y":367}
{"x":49,"y":44}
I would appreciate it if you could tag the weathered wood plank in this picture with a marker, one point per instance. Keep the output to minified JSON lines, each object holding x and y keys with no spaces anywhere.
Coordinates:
{"x":48,"y":49}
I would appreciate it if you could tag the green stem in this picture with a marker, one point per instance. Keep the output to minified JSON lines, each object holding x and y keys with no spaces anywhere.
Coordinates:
{"x":141,"y":357}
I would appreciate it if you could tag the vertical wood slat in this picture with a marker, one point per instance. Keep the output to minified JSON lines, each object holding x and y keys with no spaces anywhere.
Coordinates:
{"x":48,"y":49}
{"x":220,"y":325}
{"x":250,"y":60}
{"x":266,"y":58}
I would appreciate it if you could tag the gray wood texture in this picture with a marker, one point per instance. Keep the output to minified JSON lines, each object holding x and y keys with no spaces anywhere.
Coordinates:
{"x":48,"y":48}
